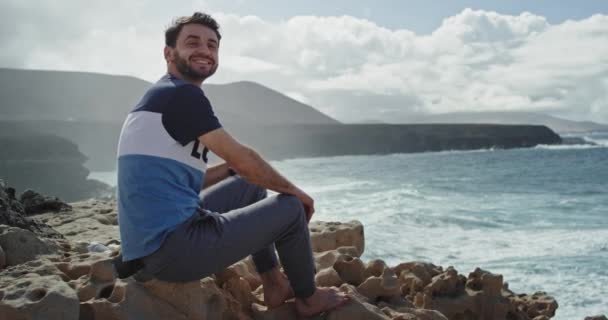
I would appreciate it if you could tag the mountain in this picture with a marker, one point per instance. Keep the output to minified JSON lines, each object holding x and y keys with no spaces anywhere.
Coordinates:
{"x":557,"y":124}
{"x":82,"y":96}
{"x":88,"y":109}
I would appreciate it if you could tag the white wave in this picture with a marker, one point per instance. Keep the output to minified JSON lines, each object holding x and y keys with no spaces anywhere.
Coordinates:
{"x":568,"y":146}
{"x":342,"y":186}
{"x":598,"y":141}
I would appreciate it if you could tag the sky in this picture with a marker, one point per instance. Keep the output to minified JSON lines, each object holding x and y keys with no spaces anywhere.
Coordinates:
{"x":354,"y":60}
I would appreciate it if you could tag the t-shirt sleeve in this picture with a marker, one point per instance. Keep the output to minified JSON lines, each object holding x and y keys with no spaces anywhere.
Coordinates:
{"x":189,"y":115}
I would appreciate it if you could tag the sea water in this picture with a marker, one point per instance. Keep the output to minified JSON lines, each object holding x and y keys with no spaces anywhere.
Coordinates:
{"x":537,"y":216}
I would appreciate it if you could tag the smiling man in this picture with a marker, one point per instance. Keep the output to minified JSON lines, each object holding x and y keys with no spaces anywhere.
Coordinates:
{"x":173,"y":231}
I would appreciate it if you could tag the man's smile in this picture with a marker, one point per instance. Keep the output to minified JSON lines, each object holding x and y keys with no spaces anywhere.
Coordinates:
{"x":202,"y":61}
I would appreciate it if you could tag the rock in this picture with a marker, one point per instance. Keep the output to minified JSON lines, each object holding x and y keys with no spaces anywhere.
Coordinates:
{"x":413,"y":314}
{"x":243,"y":269}
{"x":8,"y":200}
{"x":38,"y":297}
{"x":414,"y":276}
{"x":12,"y":213}
{"x":421,"y":270}
{"x":537,"y":304}
{"x":34,"y":202}
{"x":328,"y":258}
{"x":375,"y":268}
{"x":357,"y":310}
{"x":327,"y":236}
{"x":2,"y":258}
{"x":481,"y":296}
{"x":156,"y":300}
{"x":89,"y":221}
{"x":350,"y":269}
{"x":85,"y":284}
{"x":201,"y":298}
{"x":600,"y":317}
{"x":352,"y":292}
{"x":445,"y":284}
{"x":328,"y":277}
{"x":240,"y":290}
{"x":21,"y":245}
{"x":286,"y":311}
{"x":385,"y":286}
{"x":395,"y":302}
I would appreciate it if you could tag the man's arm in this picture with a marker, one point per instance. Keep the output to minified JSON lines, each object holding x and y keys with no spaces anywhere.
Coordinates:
{"x":252,"y":167}
{"x":216,"y":174}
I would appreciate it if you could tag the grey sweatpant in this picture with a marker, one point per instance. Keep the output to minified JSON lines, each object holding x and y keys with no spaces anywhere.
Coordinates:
{"x":237,"y":219}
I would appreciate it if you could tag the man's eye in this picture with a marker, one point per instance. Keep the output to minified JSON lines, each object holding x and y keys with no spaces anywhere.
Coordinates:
{"x":192,"y":44}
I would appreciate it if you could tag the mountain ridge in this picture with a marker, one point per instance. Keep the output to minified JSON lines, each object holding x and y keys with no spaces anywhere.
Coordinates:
{"x":83,"y":96}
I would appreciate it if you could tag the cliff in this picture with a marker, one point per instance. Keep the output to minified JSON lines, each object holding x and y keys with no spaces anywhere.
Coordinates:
{"x":99,"y":140}
{"x":291,"y":141}
{"x":51,"y":164}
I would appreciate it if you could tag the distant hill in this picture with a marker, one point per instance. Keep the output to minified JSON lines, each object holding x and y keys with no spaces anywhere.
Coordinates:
{"x":82,"y":96}
{"x":556,"y":124}
{"x":88,"y":109}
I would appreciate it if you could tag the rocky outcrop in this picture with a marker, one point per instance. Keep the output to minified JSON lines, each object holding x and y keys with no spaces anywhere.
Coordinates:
{"x":330,"y":235}
{"x":481,"y":295}
{"x":12,"y":213}
{"x":22,"y":245}
{"x":62,"y":280}
{"x":34,"y":202}
{"x":58,"y":170}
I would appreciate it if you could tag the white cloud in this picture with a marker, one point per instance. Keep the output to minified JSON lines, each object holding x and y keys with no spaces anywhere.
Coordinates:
{"x":350,"y":68}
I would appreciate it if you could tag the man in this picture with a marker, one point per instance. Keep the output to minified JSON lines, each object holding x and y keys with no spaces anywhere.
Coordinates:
{"x":165,"y":227}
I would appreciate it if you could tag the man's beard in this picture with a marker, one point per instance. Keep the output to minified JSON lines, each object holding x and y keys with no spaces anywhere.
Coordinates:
{"x":187,"y":71}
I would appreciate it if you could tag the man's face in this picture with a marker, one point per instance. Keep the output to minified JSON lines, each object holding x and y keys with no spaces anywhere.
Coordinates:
{"x":196,"y":52}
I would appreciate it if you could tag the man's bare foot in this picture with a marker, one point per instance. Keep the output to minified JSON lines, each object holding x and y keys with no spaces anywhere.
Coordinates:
{"x":276,"y":288}
{"x":324,"y":299}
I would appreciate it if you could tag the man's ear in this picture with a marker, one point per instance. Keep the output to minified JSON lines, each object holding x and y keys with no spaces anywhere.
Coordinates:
{"x":168,"y":53}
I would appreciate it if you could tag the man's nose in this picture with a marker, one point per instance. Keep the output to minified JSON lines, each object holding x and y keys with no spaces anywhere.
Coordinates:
{"x":203,"y":50}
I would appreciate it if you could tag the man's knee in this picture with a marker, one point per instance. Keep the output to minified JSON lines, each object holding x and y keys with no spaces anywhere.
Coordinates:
{"x":292,"y":205}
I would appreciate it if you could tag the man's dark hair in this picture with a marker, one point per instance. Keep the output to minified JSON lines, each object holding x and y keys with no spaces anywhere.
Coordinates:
{"x":197,"y":18}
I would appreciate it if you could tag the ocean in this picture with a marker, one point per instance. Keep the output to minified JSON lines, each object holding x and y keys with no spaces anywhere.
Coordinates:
{"x":538,"y":216}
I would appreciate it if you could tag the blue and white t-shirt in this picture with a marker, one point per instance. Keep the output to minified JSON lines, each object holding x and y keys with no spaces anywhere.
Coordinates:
{"x":161,"y":164}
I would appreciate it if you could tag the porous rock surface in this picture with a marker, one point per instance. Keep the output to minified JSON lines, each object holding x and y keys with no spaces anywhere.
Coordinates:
{"x":60,"y":279}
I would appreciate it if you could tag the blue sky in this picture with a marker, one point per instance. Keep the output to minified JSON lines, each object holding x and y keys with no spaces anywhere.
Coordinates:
{"x":420,"y":16}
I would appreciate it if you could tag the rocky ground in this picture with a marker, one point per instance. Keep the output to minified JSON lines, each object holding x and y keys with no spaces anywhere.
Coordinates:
{"x":48,"y":271}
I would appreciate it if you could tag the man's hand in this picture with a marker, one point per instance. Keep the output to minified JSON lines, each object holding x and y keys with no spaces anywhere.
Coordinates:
{"x":252,"y":167}
{"x":307,"y":201}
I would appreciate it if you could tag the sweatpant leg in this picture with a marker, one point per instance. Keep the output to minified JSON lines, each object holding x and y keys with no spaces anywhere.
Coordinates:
{"x":234,"y":193}
{"x":210,"y":242}
{"x":231,"y":193}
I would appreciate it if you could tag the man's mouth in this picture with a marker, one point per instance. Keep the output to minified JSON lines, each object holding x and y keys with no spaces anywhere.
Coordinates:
{"x":202,"y":61}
